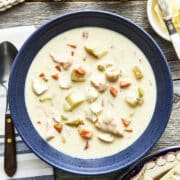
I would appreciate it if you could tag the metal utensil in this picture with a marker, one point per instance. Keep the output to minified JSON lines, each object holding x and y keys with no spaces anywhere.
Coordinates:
{"x":7,"y":54}
{"x":175,"y":37}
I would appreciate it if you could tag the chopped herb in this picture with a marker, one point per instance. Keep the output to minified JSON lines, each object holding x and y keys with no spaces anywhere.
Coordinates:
{"x":101,"y":68}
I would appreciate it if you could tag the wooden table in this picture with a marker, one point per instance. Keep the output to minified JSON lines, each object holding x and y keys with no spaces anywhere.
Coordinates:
{"x":37,"y":12}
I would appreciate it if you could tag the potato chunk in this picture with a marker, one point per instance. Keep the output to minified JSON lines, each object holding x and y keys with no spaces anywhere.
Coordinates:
{"x":39,"y":87}
{"x":112,"y":73}
{"x":73,"y":100}
{"x":95,"y":49}
{"x":134,"y":99}
{"x":79,"y":74}
{"x":137,"y":72}
{"x":106,"y":138}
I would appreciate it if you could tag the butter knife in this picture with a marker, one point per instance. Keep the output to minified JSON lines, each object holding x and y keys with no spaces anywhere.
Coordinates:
{"x":174,"y":35}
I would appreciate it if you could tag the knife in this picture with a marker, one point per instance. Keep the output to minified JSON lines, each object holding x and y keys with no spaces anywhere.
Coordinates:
{"x":174,"y":35}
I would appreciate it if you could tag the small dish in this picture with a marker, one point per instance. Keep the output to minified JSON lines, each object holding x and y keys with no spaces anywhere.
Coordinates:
{"x":155,"y":165}
{"x":154,"y":22}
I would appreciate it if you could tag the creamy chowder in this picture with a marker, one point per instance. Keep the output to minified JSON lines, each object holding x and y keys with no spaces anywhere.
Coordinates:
{"x":90,"y":92}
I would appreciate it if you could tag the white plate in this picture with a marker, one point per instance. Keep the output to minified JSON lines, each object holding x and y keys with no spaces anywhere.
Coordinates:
{"x":154,"y":22}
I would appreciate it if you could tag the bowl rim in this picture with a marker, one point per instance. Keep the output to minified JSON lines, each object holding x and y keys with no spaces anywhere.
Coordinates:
{"x":94,"y":171}
{"x":153,"y":24}
{"x":134,"y":171}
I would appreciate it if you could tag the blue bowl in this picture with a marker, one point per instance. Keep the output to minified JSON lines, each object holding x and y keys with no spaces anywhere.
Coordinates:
{"x":117,"y":161}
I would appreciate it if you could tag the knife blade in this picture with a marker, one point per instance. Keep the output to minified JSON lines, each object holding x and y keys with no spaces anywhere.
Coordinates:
{"x":174,"y":35}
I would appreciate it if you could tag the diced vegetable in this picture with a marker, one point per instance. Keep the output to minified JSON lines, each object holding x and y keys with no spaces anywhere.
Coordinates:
{"x":39,"y":87}
{"x":80,"y":71}
{"x":55,"y":76}
{"x":86,"y":145}
{"x":67,"y":107}
{"x":101,"y":68}
{"x":58,"y":127}
{"x":63,"y":139}
{"x":75,"y":122}
{"x":78,"y":75}
{"x":129,"y":130}
{"x":95,"y":50}
{"x":45,"y":99}
{"x":124,"y":84}
{"x":64,"y":118}
{"x":58,"y":67}
{"x":72,"y":46}
{"x":85,"y":133}
{"x":112,"y":73}
{"x":74,"y":99}
{"x":137,"y":72}
{"x":106,"y":138}
{"x":134,"y":100}
{"x":42,"y":75}
{"x":140,"y":92}
{"x":125,"y":122}
{"x":113,"y":91}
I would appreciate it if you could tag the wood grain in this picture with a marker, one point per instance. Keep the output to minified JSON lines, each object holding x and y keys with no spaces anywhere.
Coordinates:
{"x":38,"y":13}
{"x":34,"y":12}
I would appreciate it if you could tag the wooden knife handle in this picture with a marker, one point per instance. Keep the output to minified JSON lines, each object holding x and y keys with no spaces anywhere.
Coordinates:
{"x":10,"y":164}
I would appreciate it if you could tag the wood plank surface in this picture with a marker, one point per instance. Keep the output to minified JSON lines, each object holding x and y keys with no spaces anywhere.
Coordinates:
{"x":34,"y":12}
{"x":38,"y":13}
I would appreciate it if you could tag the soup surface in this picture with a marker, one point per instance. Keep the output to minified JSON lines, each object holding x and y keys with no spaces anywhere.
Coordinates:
{"x":90,"y":92}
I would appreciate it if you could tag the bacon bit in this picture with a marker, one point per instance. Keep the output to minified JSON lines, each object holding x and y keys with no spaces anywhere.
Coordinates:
{"x":72,"y":53}
{"x":58,"y":67}
{"x":86,"y":145}
{"x":86,"y":134}
{"x":58,"y":127}
{"x":55,"y":76}
{"x":38,"y":122}
{"x":80,"y":71}
{"x":113,"y":91}
{"x":129,"y":130}
{"x":124,"y":84}
{"x":72,"y":46}
{"x":125,"y":122}
{"x":42,"y":75}
{"x":85,"y":35}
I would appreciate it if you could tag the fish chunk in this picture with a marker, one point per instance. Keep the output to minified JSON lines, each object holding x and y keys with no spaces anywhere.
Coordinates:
{"x":96,"y":49}
{"x":112,"y":73}
{"x":65,"y":61}
{"x":110,"y":125}
{"x":92,"y":95}
{"x":64,"y":83}
{"x":39,"y":87}
{"x":96,"y":108}
{"x":99,"y":82}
